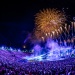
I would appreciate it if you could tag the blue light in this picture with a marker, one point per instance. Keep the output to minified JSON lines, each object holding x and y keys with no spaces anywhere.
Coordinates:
{"x":11,"y":49}
{"x":2,"y":48}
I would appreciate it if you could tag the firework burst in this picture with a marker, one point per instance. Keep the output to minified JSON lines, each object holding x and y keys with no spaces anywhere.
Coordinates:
{"x":49,"y":23}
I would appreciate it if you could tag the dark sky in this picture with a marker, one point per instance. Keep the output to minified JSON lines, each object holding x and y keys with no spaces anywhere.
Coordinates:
{"x":17,"y":18}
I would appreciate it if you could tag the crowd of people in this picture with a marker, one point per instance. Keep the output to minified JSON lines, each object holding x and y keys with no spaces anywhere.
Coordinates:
{"x":11,"y":63}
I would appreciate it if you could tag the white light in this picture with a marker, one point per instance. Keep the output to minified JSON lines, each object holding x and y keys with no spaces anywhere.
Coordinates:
{"x":53,"y":32}
{"x":19,"y":50}
{"x":2,"y":48}
{"x":11,"y":49}
{"x":46,"y":34}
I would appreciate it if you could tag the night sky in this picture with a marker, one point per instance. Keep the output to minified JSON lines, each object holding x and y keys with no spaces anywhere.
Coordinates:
{"x":17,"y":18}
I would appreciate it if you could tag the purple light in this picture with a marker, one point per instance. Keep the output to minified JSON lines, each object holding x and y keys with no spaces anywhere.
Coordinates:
{"x":52,"y":45}
{"x":37,"y":47}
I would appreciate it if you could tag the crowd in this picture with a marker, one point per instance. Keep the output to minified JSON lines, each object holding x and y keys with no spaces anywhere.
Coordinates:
{"x":11,"y":64}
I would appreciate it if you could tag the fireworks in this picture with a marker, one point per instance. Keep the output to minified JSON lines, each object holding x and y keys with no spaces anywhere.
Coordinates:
{"x":49,"y":23}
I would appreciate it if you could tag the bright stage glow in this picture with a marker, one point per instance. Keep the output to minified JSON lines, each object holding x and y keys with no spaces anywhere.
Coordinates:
{"x":51,"y":52}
